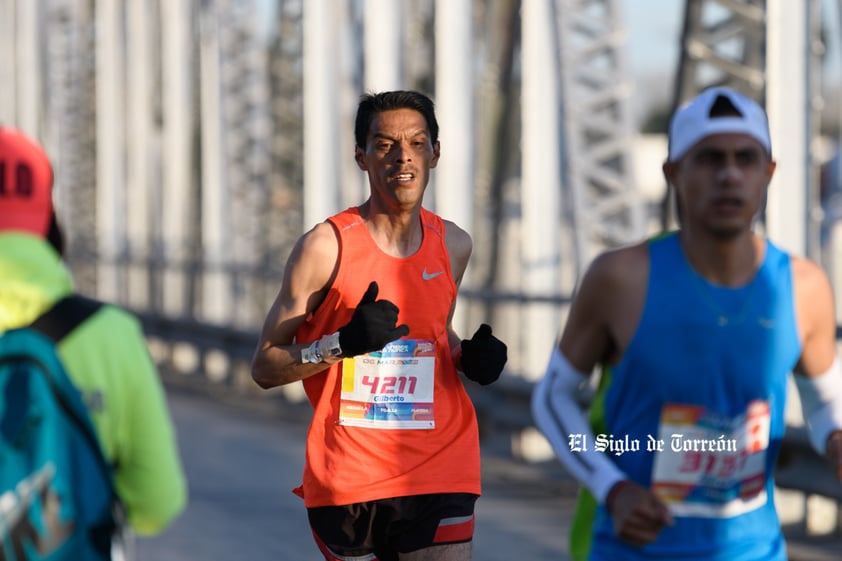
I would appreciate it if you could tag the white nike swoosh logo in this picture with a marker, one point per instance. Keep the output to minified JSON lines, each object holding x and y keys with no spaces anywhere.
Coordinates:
{"x":765,"y":322}
{"x":427,"y":276}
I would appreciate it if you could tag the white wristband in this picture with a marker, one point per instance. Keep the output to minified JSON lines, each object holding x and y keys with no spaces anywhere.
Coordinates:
{"x":311,"y":354}
{"x":821,"y":404}
{"x":327,"y":346}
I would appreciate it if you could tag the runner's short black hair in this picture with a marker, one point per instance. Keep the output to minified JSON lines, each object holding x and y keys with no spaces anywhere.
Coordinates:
{"x":372,"y":104}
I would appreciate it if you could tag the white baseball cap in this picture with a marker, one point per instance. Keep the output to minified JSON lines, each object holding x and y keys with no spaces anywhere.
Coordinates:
{"x":692,"y":121}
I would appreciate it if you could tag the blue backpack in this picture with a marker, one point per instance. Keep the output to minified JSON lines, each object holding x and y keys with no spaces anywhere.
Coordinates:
{"x":56,"y":494}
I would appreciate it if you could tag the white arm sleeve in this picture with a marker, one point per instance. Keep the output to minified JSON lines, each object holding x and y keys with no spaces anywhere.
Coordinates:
{"x":821,"y":403}
{"x":558,"y":416}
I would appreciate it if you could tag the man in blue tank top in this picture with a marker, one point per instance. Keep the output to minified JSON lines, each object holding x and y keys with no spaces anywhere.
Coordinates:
{"x":696,"y":333}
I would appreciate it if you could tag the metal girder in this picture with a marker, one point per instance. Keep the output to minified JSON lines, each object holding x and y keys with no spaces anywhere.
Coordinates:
{"x":598,"y":131}
{"x":286,"y":177}
{"x":69,"y":72}
{"x":723,"y":42}
{"x":246,"y":115}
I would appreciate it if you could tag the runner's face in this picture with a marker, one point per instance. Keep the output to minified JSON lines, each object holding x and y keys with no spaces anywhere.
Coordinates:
{"x":721,"y":183}
{"x":398,"y":157}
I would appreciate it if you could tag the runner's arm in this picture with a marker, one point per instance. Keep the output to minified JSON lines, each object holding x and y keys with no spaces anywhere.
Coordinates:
{"x":558,"y":415}
{"x":555,"y":404}
{"x":308,"y":274}
{"x":609,"y":294}
{"x":459,"y":248}
{"x":818,"y":374}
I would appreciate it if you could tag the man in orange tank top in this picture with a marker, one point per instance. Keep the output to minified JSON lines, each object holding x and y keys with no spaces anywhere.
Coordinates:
{"x":364,"y":320}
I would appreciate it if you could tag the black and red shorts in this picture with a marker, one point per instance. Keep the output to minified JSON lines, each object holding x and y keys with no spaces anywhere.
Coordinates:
{"x":379,"y":530}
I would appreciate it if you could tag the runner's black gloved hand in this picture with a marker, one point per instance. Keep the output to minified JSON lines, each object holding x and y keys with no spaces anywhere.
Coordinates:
{"x":372,"y":326}
{"x":483,"y":356}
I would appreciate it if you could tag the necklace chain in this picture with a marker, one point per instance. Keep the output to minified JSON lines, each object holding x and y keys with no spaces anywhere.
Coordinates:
{"x":723,"y":318}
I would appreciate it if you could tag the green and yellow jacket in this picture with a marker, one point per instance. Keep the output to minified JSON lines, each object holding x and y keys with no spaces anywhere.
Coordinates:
{"x":107,"y":359}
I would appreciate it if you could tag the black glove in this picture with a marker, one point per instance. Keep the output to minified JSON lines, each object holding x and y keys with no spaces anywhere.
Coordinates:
{"x":484,"y":356}
{"x":372,"y":326}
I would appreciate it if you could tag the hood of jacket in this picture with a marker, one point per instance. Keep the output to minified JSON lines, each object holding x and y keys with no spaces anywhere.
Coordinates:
{"x":32,"y":278}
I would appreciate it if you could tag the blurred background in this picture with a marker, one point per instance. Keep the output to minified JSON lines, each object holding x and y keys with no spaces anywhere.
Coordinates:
{"x":194,"y":141}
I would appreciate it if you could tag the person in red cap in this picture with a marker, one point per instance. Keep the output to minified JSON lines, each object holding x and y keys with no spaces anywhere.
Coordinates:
{"x":106,"y":357}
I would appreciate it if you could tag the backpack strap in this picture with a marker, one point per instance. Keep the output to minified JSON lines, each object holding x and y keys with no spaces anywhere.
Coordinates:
{"x":65,"y":316}
{"x":56,"y":323}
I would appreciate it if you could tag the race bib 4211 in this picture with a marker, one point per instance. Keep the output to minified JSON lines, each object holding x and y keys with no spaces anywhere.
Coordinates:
{"x":391,"y":388}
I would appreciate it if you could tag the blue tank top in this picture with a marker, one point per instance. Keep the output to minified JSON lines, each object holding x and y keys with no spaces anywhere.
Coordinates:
{"x":704,"y":377}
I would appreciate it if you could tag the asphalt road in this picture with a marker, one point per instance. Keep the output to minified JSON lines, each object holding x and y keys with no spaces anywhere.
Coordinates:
{"x":242,"y":463}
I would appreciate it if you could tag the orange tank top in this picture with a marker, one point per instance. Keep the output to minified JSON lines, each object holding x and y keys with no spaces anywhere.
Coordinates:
{"x":398,"y":422}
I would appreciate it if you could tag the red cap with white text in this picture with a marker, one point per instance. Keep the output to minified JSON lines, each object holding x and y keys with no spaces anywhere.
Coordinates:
{"x":26,"y":181}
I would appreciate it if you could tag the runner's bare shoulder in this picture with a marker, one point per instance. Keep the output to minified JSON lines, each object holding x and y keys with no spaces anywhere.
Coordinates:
{"x":620,"y":272}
